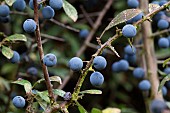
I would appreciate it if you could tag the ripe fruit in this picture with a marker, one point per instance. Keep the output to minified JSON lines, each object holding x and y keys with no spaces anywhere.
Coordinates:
{"x":157,"y":106}
{"x":50,"y":60}
{"x":99,"y":62}
{"x":32,"y":71}
{"x":138,"y":17}
{"x":164,"y":91}
{"x":56,"y":4}
{"x":15,"y":58}
{"x":130,"y":58}
{"x":29,"y":25}
{"x":163,"y":24}
{"x":19,"y":5}
{"x":96,"y":79}
{"x":163,"y":43}
{"x":31,"y":5}
{"x":18,"y":101}
{"x":162,"y":2}
{"x":159,"y":15}
{"x":129,"y":31}
{"x":4,"y":10}
{"x":83,"y":33}
{"x":75,"y":64}
{"x":123,"y":65}
{"x":5,"y":19}
{"x":167,"y":70}
{"x":144,"y":85}
{"x":133,"y":3}
{"x":48,"y":12}
{"x":130,"y":50}
{"x":115,"y":67}
{"x":138,"y":72}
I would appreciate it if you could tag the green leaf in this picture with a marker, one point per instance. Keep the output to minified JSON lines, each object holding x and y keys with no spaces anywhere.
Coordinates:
{"x":10,"y":2}
{"x":4,"y":83}
{"x":70,"y":10}
{"x":52,"y":78}
{"x":81,"y":108}
{"x":95,"y":110}
{"x":161,"y":73}
{"x":7,"y":52}
{"x":92,"y":91}
{"x":123,"y":17}
{"x":165,"y":62}
{"x":167,"y":78}
{"x":42,"y":103}
{"x":27,"y":85}
{"x":43,"y":95}
{"x":111,"y":110}
{"x":59,"y":92}
{"x":17,"y":37}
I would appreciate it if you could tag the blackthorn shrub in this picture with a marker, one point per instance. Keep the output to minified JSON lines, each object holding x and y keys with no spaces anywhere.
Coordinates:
{"x":48,"y":12}
{"x":50,"y":60}
{"x":129,"y":31}
{"x":133,"y":3}
{"x":138,"y":72}
{"x":163,"y":43}
{"x":157,"y":106}
{"x":99,"y":62}
{"x":83,"y":33}
{"x":163,"y":24}
{"x":32,"y":71}
{"x":15,"y":58}
{"x":144,"y":85}
{"x":56,"y":4}
{"x":4,"y":10}
{"x":29,"y":25}
{"x":19,"y":5}
{"x":130,"y":50}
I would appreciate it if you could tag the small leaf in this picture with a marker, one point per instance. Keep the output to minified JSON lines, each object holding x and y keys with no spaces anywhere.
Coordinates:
{"x":111,"y":110}
{"x":42,"y":103}
{"x":167,"y":78}
{"x":7,"y":52}
{"x":93,"y":91}
{"x":165,"y":62}
{"x":4,"y":83}
{"x":43,"y":95}
{"x":95,"y":110}
{"x":10,"y":2}
{"x":81,"y":108}
{"x":153,"y":7}
{"x":59,"y":92}
{"x":161,"y":73}
{"x":70,"y":10}
{"x":27,"y":85}
{"x":17,"y":37}
{"x":123,"y":17}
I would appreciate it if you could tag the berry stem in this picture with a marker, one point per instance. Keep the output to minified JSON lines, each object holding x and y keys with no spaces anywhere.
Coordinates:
{"x":41,"y":53}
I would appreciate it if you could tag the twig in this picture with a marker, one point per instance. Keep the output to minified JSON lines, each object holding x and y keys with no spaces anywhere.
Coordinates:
{"x":89,"y":14}
{"x":41,"y":53}
{"x":86,"y":15}
{"x":52,"y":37}
{"x":19,"y":13}
{"x":160,"y":32}
{"x":64,"y":26}
{"x":95,"y":27}
{"x":161,"y":62}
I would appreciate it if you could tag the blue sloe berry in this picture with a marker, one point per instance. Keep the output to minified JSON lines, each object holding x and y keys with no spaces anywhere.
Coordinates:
{"x":164,"y":91}
{"x":83,"y":33}
{"x":138,"y":17}
{"x":162,"y":2}
{"x":133,"y":3}
{"x":75,"y":64}
{"x":138,"y":72}
{"x":163,"y":43}
{"x":129,"y":31}
{"x":144,"y":85}
{"x":67,"y":96}
{"x":15,"y":58}
{"x":48,"y":12}
{"x":18,"y":101}
{"x":157,"y":106}
{"x":163,"y":24}
{"x":115,"y":67}
{"x":31,"y":5}
{"x":29,"y":25}
{"x":5,"y":19}
{"x":167,"y":70}
{"x":123,"y":65}
{"x":96,"y":79}
{"x":32,"y":71}
{"x":56,"y":4}
{"x":50,"y":60}
{"x":130,"y":58}
{"x":159,"y":15}
{"x":4,"y":10}
{"x":130,"y":50}
{"x":99,"y":62}
{"x":19,"y":5}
